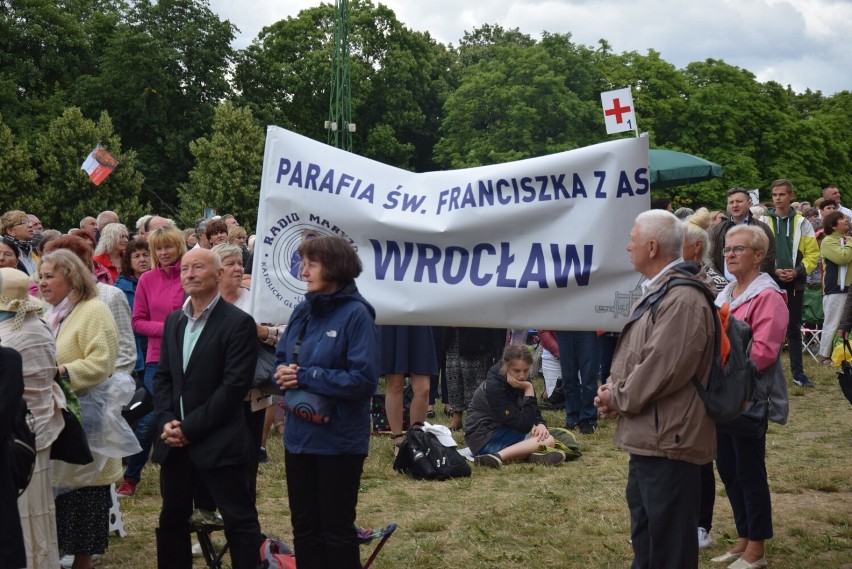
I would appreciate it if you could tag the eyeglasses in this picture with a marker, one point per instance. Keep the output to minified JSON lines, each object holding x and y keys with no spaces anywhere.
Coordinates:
{"x":26,"y":222}
{"x":735,"y":251}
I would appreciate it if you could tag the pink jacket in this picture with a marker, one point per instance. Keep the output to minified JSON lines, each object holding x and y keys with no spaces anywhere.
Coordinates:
{"x":158,"y":293}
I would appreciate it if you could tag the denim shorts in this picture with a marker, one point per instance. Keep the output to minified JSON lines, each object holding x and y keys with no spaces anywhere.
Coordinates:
{"x":503,"y":438}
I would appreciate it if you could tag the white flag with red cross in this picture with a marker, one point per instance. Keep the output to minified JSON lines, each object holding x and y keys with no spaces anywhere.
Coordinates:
{"x":619,"y":114}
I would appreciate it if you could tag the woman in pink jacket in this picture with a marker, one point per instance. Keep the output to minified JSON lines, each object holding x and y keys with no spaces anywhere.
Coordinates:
{"x":741,"y":456}
{"x":158,"y":293}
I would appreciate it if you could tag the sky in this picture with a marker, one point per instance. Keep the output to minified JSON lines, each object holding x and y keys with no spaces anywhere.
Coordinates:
{"x":801,"y":43}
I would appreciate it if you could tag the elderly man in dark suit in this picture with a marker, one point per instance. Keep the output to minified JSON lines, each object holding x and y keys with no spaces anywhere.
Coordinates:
{"x":206,"y":366}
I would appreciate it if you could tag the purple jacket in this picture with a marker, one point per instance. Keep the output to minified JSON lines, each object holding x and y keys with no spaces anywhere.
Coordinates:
{"x":158,"y":293}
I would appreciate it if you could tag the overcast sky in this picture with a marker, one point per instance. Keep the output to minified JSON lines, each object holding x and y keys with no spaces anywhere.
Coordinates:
{"x":802,"y":43}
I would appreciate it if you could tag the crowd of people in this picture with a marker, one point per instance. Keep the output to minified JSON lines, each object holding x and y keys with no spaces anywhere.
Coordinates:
{"x":171,"y":308}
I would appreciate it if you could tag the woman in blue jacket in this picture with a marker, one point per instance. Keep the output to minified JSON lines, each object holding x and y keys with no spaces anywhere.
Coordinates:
{"x":328,"y":358}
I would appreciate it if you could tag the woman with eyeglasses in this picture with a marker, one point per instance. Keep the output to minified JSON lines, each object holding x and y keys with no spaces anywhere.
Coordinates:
{"x":16,"y":225}
{"x":741,"y":456}
{"x":110,"y":249}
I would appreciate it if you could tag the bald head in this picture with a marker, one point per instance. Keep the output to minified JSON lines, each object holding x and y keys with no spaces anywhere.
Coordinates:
{"x":105,"y":218}
{"x":200,"y":272}
{"x":89,"y":223}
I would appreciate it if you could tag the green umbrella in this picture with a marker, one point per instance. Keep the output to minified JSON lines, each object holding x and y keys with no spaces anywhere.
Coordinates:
{"x":671,"y":168}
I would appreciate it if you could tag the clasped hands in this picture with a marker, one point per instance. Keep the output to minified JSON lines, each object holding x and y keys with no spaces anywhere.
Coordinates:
{"x":603,"y":401}
{"x":285,"y":376}
{"x":173,"y":435}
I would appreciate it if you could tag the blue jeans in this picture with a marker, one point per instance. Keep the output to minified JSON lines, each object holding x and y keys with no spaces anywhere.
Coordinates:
{"x":144,"y":432}
{"x":580,"y":359}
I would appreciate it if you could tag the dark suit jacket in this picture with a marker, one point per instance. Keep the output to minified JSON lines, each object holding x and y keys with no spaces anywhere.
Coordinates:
{"x":12,"y":553}
{"x":217,"y":379}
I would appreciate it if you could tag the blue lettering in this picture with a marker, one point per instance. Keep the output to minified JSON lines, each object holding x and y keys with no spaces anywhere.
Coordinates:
{"x":561,"y":271}
{"x":428,"y":257}
{"x":449,"y":257}
{"x":283,"y":169}
{"x":478,"y":250}
{"x":640,"y":177}
{"x":391,"y":202}
{"x":400,"y":261}
{"x":506,"y":260}
{"x":624,"y":185}
{"x":345,"y":180}
{"x":535,"y":269}
{"x":311,"y":177}
{"x":486,"y":193}
{"x":601,"y":176}
{"x":579,"y":188}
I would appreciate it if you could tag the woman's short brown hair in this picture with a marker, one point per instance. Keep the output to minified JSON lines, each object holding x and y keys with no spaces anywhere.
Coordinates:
{"x":126,"y":262}
{"x":215,"y":227}
{"x":829,"y":221}
{"x":340,"y":262}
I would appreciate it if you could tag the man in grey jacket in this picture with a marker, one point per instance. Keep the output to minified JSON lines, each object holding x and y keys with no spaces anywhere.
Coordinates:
{"x":662,"y":421}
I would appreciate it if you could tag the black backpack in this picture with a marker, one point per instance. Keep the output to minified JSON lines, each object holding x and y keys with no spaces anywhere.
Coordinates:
{"x":422,"y":456}
{"x":22,"y":447}
{"x":731,"y":385}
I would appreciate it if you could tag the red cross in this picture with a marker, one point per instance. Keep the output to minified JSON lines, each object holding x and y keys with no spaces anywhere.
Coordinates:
{"x":617,"y":110}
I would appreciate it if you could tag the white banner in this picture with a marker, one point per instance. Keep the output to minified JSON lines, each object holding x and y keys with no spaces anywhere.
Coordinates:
{"x":537,"y":243}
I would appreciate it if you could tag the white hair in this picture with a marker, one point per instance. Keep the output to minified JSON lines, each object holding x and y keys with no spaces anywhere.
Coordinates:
{"x":664,"y":228}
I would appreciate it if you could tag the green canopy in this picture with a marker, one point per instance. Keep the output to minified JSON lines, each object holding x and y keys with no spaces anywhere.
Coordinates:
{"x":671,"y":168}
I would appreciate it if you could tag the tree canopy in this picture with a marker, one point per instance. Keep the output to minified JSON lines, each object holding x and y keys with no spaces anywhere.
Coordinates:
{"x":158,"y":84}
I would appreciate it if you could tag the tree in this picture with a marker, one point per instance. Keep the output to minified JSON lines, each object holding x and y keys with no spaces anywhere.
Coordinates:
{"x":17,"y":177}
{"x":227,"y":170}
{"x":400,"y":80}
{"x":513,"y":102}
{"x":163,"y":71}
{"x":65,"y":193}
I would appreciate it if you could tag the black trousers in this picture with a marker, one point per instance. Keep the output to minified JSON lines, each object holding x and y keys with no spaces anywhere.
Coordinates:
{"x":229,"y":487}
{"x":323,"y":494}
{"x":708,"y":496}
{"x":663,"y":497}
{"x":795,"y":305}
{"x":741,"y":461}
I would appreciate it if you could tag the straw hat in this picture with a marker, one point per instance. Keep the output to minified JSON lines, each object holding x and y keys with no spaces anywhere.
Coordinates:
{"x":14,"y":294}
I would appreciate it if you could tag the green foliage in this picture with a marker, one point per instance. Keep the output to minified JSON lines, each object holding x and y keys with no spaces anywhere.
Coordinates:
{"x":162,"y":68}
{"x":65,"y":193}
{"x":226,"y":175}
{"x":17,"y":178}
{"x":513,"y":102}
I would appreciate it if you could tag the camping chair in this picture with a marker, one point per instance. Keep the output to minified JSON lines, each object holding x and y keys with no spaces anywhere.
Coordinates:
{"x":204,"y":524}
{"x":203,"y":527}
{"x":812,"y":318}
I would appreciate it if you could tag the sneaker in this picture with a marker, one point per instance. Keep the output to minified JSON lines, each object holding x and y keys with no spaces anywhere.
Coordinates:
{"x":489,"y":460}
{"x":704,"y":539}
{"x":571,"y":426}
{"x":588,"y":427}
{"x":802,"y":380}
{"x":551,"y":457}
{"x":262,"y":457}
{"x":126,"y":488}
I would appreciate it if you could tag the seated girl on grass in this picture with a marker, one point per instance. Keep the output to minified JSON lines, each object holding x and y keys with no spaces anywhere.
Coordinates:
{"x":503,"y":421}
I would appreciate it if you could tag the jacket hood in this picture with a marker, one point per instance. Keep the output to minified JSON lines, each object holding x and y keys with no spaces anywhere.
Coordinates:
{"x":321,"y":304}
{"x":758,"y":285}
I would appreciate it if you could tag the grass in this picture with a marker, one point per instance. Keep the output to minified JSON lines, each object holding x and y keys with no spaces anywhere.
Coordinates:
{"x":572,"y":516}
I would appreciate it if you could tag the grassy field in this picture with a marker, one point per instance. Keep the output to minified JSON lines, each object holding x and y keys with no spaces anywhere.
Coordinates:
{"x":566,"y":517}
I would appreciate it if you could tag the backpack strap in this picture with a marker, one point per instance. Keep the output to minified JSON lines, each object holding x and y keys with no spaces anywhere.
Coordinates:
{"x":717,"y":344}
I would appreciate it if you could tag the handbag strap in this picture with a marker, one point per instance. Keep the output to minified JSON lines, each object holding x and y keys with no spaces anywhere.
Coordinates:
{"x":298,"y":346}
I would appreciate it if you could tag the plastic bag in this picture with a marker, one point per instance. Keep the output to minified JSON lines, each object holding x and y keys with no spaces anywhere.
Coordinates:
{"x":107,"y":431}
{"x":839,"y":354}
